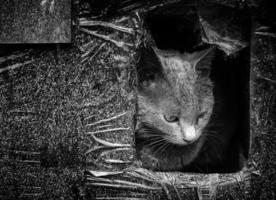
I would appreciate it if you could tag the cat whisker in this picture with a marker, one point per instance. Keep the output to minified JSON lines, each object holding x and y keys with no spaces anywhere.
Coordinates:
{"x":147,"y":135}
{"x":155,"y":142}
{"x":159,"y":148}
{"x":211,"y":140}
{"x":212,"y":135}
{"x":151,"y":141}
{"x":156,"y":147}
{"x":165,"y":147}
{"x":172,"y":139}
{"x":151,"y":133}
{"x":211,"y":131}
{"x":146,"y":128}
{"x":154,"y":137}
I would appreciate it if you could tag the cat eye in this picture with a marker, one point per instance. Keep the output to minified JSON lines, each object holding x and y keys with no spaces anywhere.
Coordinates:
{"x":200,"y":116}
{"x":171,"y":118}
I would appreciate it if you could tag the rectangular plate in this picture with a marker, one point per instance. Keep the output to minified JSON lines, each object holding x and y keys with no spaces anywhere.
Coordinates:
{"x":35,"y":21}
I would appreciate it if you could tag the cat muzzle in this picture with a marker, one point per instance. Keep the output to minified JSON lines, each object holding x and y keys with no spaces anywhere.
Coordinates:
{"x":189,"y":134}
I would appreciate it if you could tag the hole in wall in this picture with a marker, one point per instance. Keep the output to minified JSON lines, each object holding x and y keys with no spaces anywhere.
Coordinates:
{"x":193,"y":99}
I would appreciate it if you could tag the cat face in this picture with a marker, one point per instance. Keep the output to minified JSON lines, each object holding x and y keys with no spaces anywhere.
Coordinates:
{"x":178,"y":99}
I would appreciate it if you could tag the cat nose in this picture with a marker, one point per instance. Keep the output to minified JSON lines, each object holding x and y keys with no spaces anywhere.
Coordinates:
{"x":189,"y":134}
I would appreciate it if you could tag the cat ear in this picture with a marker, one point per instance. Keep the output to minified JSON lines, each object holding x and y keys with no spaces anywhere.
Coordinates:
{"x":149,"y":59}
{"x":202,"y":60}
{"x":148,"y":66}
{"x":157,"y":53}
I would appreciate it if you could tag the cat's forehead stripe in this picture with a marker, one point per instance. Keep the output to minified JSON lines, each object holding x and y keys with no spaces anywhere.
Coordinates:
{"x":177,"y":63}
{"x":181,"y":76}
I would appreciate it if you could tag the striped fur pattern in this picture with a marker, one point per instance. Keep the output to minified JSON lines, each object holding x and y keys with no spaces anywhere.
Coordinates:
{"x":175,"y":101}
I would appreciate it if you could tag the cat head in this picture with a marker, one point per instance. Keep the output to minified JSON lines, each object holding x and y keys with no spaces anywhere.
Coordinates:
{"x":175,"y":94}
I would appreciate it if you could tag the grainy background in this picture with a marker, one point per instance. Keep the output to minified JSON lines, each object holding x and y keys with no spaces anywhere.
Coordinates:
{"x":35,"y":21}
{"x":49,"y":94}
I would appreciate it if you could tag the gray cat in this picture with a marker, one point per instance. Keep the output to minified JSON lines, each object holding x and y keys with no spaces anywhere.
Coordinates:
{"x":175,"y":104}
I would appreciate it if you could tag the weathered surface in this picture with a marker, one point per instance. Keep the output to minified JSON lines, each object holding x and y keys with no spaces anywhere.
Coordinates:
{"x":66,"y":109}
{"x":247,"y":183}
{"x":35,"y":21}
{"x":263,"y":99}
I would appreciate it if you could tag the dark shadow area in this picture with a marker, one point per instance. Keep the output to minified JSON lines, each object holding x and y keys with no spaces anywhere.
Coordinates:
{"x":230,"y":76}
{"x":175,"y":27}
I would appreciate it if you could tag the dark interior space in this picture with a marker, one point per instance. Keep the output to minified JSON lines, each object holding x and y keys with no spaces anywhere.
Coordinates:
{"x":175,"y":27}
{"x":170,"y":29}
{"x":231,"y":79}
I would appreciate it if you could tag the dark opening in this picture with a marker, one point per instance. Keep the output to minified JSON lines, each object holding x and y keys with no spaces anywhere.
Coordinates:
{"x":177,"y":27}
